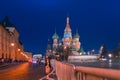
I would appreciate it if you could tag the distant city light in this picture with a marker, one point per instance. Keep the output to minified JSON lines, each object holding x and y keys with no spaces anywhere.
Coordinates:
{"x":110,"y":55}
{"x":34,"y":61}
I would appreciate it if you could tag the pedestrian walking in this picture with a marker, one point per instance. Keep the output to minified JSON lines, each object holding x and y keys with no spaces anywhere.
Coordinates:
{"x":47,"y":66}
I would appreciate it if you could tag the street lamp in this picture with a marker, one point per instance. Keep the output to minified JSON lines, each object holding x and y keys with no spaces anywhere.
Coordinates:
{"x":12,"y":45}
{"x":18,"y":49}
{"x":110,"y":56}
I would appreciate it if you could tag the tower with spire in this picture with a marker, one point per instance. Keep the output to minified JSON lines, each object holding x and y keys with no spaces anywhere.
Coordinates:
{"x":48,"y":50}
{"x":55,"y":38}
{"x":67,"y":37}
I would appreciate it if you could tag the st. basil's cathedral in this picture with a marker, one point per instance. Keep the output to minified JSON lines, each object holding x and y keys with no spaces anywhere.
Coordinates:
{"x":67,"y":40}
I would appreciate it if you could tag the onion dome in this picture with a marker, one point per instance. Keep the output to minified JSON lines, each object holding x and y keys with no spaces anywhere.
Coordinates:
{"x":55,"y":36}
{"x":76,"y":35}
{"x":73,"y":40}
{"x":67,"y":35}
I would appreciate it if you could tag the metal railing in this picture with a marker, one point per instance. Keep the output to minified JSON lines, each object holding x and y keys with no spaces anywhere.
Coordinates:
{"x":65,"y":71}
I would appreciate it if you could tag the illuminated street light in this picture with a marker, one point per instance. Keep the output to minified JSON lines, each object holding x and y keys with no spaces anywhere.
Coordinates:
{"x":12,"y":44}
{"x":93,"y":51}
{"x":18,"y":49}
{"x":109,"y":55}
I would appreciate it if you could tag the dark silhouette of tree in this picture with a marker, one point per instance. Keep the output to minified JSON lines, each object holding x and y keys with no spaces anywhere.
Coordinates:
{"x":59,"y":51}
{"x":67,"y":52}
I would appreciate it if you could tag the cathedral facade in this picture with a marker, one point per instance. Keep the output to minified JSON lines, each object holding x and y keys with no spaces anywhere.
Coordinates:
{"x":68,"y":40}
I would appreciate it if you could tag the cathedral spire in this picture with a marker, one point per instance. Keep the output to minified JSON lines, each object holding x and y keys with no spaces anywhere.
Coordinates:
{"x":48,"y":45}
{"x":76,"y":35}
{"x":67,"y":20}
{"x":55,"y":36}
{"x":68,"y":29}
{"x":76,"y":31}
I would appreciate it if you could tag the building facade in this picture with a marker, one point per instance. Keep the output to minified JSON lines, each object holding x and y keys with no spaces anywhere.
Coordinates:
{"x":4,"y":43}
{"x":28,"y":55}
{"x":11,"y":47}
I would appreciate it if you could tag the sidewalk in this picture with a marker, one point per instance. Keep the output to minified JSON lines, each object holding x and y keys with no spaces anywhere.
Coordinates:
{"x":5,"y":65}
{"x":50,"y":76}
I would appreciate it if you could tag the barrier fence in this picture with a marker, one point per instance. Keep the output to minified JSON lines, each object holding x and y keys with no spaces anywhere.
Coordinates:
{"x":66,"y":71}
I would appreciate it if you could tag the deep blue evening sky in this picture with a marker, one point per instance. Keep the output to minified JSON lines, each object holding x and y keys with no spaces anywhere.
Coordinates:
{"x":97,"y":21}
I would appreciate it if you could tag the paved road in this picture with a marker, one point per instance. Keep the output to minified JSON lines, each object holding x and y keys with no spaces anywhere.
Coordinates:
{"x":24,"y":71}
